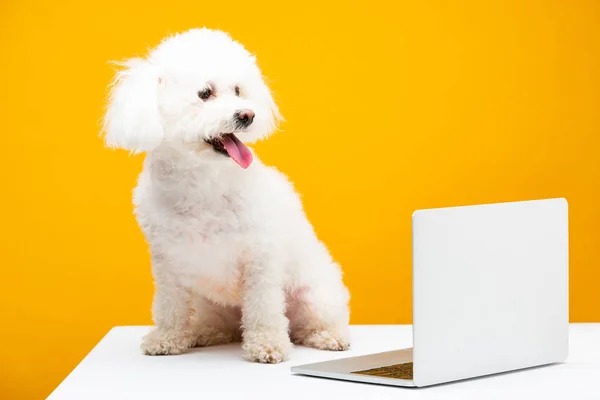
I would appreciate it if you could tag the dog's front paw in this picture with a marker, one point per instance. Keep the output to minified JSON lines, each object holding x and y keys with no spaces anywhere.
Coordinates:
{"x":267,"y":350}
{"x":322,"y":340}
{"x":161,"y":342}
{"x":266,"y":353}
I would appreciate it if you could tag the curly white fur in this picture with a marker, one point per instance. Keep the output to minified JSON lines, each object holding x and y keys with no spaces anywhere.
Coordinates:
{"x":233,"y":254}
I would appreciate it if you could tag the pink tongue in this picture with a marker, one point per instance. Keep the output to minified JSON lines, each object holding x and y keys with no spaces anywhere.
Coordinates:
{"x":237,"y":150}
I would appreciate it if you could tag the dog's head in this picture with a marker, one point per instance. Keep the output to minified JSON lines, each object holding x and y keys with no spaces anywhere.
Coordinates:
{"x":199,"y":89}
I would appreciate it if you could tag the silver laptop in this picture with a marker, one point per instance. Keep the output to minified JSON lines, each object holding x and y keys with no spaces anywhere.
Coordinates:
{"x":490,"y":295}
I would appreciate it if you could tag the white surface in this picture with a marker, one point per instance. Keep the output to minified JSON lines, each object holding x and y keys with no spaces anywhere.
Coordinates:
{"x":115,"y":369}
{"x":490,"y":288}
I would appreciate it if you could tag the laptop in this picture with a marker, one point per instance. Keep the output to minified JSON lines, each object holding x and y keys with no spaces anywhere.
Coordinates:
{"x":490,"y":295}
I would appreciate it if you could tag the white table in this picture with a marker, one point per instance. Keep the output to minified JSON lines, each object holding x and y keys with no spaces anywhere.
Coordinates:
{"x":115,"y":369}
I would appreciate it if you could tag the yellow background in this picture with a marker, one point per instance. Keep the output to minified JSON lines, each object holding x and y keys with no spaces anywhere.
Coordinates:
{"x":389,"y":106}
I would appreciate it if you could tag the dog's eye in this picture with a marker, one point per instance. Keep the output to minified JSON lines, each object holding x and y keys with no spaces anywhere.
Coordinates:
{"x":237,"y":91}
{"x":205,"y":94}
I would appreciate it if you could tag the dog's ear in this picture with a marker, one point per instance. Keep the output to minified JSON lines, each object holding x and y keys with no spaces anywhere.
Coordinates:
{"x":275,"y":117}
{"x":132,"y":121}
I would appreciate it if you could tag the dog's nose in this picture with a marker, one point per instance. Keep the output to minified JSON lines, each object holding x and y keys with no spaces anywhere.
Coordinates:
{"x":244,"y":117}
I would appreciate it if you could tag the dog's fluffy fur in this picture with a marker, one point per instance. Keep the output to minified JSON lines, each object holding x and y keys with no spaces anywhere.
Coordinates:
{"x":233,"y":254}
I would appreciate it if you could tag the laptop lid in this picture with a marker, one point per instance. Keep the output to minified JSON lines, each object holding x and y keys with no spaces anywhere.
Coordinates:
{"x":490,"y":289}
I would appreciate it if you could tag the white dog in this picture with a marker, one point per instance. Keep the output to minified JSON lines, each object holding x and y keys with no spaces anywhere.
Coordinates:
{"x":233,"y":255}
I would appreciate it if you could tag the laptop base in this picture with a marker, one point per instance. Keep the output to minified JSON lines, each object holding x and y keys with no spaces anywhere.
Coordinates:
{"x":392,"y":368}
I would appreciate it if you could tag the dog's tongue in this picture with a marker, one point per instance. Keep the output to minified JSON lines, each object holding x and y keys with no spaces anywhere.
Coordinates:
{"x":237,"y":150}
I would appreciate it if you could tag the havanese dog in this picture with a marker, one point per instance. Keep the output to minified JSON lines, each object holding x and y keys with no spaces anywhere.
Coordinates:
{"x":233,"y":255}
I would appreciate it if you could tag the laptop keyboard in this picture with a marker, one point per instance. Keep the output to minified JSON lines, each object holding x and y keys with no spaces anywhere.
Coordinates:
{"x":396,"y":371}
